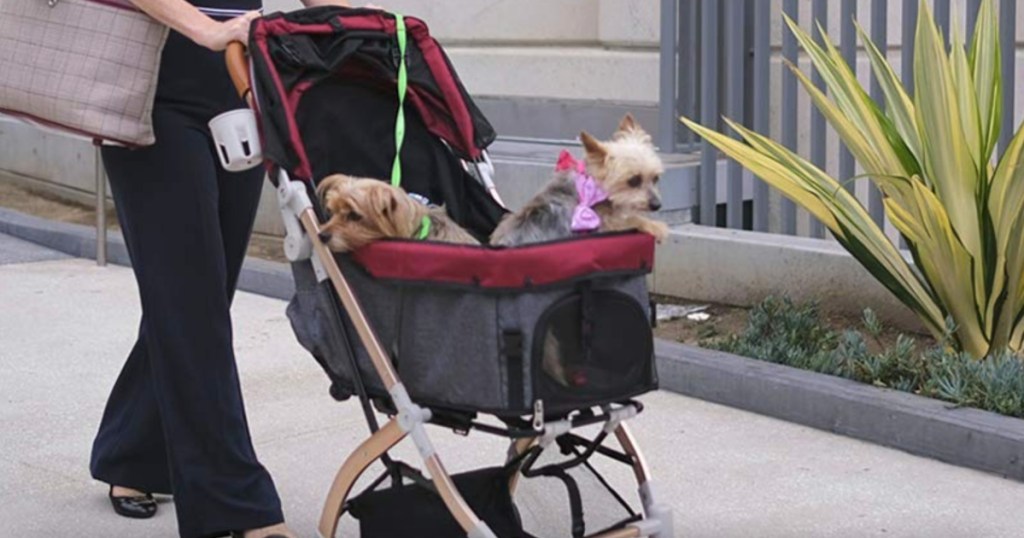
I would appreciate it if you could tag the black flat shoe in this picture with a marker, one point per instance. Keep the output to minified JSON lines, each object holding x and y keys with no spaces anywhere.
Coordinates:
{"x":133,"y":506}
{"x":237,"y":534}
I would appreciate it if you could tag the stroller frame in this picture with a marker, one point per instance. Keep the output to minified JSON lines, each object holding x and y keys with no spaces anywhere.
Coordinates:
{"x":302,"y":218}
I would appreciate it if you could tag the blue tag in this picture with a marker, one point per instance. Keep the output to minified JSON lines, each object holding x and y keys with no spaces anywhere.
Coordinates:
{"x":419,"y":198}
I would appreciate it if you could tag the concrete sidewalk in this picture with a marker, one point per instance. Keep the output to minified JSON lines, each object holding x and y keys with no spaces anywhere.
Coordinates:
{"x":66,"y":325}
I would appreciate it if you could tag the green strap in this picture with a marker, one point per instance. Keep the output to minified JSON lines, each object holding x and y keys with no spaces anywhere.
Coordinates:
{"x":396,"y":168}
{"x":424,"y":228}
{"x":403,"y":85}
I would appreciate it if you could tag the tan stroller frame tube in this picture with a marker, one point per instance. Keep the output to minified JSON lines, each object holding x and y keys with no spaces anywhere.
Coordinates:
{"x":303,"y":242}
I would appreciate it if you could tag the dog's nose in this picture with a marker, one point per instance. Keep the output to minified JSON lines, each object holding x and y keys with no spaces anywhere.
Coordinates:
{"x":654,"y":204}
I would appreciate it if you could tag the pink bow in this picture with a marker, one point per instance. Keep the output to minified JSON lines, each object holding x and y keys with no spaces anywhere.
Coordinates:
{"x":584,"y":218}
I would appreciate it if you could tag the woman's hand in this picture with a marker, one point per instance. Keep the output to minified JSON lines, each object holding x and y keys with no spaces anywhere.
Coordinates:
{"x":216,"y":35}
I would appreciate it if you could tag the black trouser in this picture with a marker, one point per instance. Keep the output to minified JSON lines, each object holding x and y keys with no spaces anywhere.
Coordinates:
{"x":175,"y":421}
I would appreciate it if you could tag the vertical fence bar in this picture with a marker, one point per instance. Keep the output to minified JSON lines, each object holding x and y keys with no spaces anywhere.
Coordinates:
{"x":788,"y":119}
{"x":1008,"y":46}
{"x":101,"y":210}
{"x":761,"y":101}
{"x":907,"y":45}
{"x":819,"y":12}
{"x":709,"y":110}
{"x":972,"y":17}
{"x":667,"y":111}
{"x":687,"y":77}
{"x":909,"y":29}
{"x":942,"y":17}
{"x":880,"y":36}
{"x":848,"y":48}
{"x":735,"y":87}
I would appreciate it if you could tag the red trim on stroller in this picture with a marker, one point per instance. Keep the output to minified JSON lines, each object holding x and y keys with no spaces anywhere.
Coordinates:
{"x":459,"y":130}
{"x":261,"y":30}
{"x":510,"y":268}
{"x":368,"y":21}
{"x":449,"y":89}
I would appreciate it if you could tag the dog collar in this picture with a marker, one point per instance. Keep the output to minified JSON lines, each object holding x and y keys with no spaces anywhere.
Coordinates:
{"x":420,"y":198}
{"x":589,"y":193}
{"x":424,"y":230}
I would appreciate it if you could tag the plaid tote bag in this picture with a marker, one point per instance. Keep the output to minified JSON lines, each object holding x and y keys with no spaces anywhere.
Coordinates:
{"x":83,"y":67}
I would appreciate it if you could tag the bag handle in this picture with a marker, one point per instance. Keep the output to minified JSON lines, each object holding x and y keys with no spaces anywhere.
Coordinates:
{"x":238,"y":68}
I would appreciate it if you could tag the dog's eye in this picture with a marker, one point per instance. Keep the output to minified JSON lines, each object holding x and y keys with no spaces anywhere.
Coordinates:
{"x":656,"y":179}
{"x":635,"y":181}
{"x":354,"y":217}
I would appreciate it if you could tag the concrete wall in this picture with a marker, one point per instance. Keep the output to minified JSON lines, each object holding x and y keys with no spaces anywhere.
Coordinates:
{"x":603,"y":50}
{"x":542,"y":68}
{"x":548,"y":51}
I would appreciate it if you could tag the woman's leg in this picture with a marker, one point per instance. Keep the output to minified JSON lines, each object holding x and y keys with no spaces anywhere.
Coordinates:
{"x":239,"y":200}
{"x":170,"y":203}
{"x":129,"y":449}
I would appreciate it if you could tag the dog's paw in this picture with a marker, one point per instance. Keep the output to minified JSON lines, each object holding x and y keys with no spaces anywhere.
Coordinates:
{"x":656,"y":228}
{"x":660,"y":231}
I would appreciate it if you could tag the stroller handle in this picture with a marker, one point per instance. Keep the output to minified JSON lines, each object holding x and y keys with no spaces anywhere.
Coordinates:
{"x":238,"y":69}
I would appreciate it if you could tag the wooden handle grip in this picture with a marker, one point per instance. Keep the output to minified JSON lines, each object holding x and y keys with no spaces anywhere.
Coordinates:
{"x":238,"y":68}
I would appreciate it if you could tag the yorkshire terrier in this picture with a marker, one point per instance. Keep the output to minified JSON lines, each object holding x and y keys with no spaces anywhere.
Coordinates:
{"x":612,"y":189}
{"x":364,"y":210}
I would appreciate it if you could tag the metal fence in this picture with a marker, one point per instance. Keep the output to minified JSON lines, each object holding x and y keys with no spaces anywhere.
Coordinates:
{"x":716,"y":59}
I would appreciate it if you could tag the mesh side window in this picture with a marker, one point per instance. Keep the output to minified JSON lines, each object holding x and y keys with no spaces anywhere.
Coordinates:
{"x":592,"y":346}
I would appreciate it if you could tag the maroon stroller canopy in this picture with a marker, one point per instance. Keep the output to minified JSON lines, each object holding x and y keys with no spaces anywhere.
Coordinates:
{"x":293,"y":52}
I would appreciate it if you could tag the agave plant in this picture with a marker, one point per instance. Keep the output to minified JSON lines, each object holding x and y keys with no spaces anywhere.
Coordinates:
{"x":931,"y":156}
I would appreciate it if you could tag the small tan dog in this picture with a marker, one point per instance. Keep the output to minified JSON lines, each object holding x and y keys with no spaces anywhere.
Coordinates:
{"x":364,"y":210}
{"x":627,"y":168}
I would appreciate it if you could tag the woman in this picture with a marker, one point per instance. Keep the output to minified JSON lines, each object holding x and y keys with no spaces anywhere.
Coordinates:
{"x":175,"y":421}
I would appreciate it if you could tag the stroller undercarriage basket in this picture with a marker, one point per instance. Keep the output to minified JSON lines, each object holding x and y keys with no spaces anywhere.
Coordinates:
{"x":424,"y":514}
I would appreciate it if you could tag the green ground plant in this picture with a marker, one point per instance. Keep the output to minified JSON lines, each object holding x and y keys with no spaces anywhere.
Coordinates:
{"x":781,"y":331}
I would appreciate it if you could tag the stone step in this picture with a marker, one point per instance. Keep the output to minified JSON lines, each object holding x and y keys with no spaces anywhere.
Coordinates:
{"x":561,"y":119}
{"x":586,"y":73}
{"x":617,"y":23}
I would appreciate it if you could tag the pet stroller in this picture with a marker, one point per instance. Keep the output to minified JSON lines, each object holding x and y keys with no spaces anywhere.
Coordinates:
{"x":431,"y":333}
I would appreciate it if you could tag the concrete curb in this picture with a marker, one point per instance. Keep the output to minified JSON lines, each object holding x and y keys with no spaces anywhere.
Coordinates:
{"x":922,"y":426}
{"x":704,"y":263}
{"x":271,"y":279}
{"x":962,"y":436}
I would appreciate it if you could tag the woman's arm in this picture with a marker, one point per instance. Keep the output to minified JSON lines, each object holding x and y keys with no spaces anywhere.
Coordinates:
{"x":193,"y":24}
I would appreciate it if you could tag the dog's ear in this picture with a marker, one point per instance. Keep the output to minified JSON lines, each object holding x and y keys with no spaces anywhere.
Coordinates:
{"x":627,"y":124}
{"x":330,"y":182}
{"x":327,"y":186}
{"x":631,"y":128}
{"x":379,"y":200}
{"x":596,"y":152}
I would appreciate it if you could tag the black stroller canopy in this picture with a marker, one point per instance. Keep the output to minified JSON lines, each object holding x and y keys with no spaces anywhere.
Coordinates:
{"x":293,"y":52}
{"x":325,"y":82}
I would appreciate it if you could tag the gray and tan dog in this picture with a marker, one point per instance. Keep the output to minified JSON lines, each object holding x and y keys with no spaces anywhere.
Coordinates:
{"x":364,"y":210}
{"x":627,"y":167}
